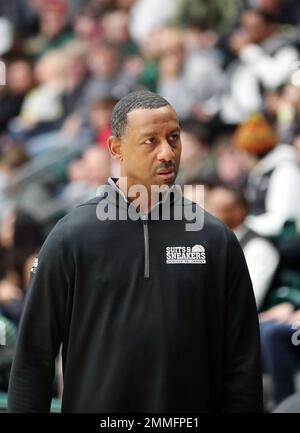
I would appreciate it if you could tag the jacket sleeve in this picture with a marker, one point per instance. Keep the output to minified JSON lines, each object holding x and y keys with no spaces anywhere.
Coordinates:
{"x":242,"y":361}
{"x":41,"y":329}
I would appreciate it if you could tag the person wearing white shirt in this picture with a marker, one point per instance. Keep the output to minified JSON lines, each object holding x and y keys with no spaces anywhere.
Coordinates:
{"x":261,"y":256}
{"x":265,"y":61}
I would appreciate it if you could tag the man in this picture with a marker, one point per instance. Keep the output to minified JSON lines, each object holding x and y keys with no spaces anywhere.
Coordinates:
{"x":280,"y":331}
{"x":264,"y":60}
{"x":190,"y":79}
{"x":139,"y":334}
{"x":274,"y":179}
{"x":262,"y":258}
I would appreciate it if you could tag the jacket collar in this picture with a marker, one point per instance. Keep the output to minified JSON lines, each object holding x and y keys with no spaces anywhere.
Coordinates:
{"x":120,"y":199}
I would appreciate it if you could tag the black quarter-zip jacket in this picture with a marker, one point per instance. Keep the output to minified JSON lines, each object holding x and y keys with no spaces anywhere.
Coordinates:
{"x":139,"y":332}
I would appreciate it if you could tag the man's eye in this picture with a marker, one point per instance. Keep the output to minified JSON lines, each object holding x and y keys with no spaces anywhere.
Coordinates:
{"x":150,"y":140}
{"x":174,"y":137}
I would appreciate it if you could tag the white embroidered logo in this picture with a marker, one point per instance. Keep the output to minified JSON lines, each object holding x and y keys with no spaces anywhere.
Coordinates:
{"x":35,"y":266}
{"x":195,"y":254}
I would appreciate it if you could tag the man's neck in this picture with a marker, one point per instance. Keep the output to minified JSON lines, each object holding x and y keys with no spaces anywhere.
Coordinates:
{"x":146,"y":205}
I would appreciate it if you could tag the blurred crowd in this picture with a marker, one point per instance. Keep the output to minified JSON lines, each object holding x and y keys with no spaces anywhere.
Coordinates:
{"x":231,"y":69}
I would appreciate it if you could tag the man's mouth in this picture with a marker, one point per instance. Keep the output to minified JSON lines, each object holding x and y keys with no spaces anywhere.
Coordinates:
{"x":166,"y":174}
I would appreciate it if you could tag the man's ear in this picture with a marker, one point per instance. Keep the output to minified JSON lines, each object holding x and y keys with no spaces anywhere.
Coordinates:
{"x":115,"y":147}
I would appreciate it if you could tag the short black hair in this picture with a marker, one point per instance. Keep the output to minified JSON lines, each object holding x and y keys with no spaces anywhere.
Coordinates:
{"x":143,"y":99}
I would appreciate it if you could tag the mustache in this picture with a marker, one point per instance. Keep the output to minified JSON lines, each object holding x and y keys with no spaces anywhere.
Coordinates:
{"x":167,"y":166}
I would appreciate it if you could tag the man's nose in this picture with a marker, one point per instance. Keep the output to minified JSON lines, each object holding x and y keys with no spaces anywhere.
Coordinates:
{"x":166,"y":152}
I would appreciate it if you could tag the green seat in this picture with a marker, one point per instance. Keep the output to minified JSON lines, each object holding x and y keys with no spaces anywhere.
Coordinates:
{"x":288,"y":290}
{"x":289,"y":231}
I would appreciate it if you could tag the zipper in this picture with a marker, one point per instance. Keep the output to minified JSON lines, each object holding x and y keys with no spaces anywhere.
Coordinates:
{"x":146,"y":245}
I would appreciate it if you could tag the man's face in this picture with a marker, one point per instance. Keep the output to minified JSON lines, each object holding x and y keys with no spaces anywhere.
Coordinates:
{"x":222,"y":204}
{"x":255,"y":27}
{"x":150,"y":147}
{"x":104,"y":62}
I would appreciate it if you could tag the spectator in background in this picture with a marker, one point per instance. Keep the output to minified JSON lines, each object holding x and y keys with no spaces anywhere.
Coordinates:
{"x":148,"y":15}
{"x":265,"y":57}
{"x":150,"y":52}
{"x":115,"y":27}
{"x":191,"y":81}
{"x":76,"y":81}
{"x":231,"y":168}
{"x":108,"y":76}
{"x":273,"y":184}
{"x":20,"y":237}
{"x":288,"y":112}
{"x":100,"y":115}
{"x":216,"y":14}
{"x":261,"y":256}
{"x":85,"y":175}
{"x":280,"y":354}
{"x":42,"y":109}
{"x":29,"y":195}
{"x":20,"y":81}
{"x":13,"y":156}
{"x":284,"y":11}
{"x":20,"y":240}
{"x":54,"y":29}
{"x":101,"y":6}
{"x":70,"y":128}
{"x":87,"y":27}
{"x":197,"y":160}
{"x":125,"y":5}
{"x":82,"y":87}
